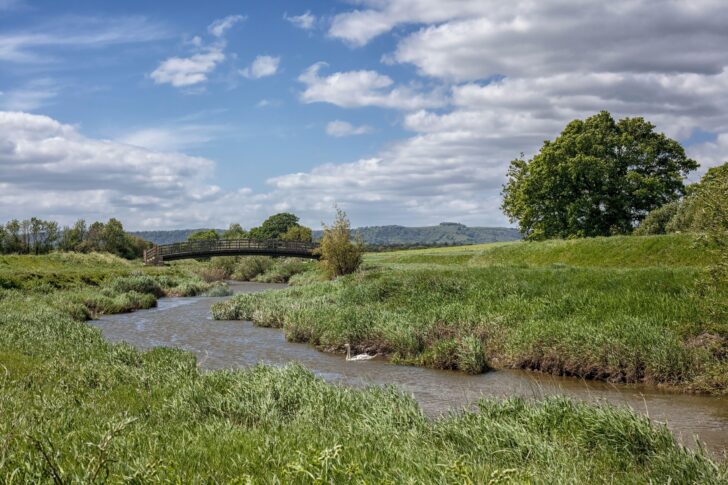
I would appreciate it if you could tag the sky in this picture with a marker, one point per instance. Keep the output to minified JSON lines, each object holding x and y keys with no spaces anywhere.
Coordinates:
{"x":190,"y":114}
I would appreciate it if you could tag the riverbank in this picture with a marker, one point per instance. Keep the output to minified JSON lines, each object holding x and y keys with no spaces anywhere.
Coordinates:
{"x":74,"y":407}
{"x":623,"y":309}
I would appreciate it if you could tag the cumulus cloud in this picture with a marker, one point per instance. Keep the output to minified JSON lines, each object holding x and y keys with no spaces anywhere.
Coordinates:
{"x":305,"y":21}
{"x":340,"y":129}
{"x":186,"y":71}
{"x":354,"y":89}
{"x":195,"y":69}
{"x":50,"y":168}
{"x":262,"y":66}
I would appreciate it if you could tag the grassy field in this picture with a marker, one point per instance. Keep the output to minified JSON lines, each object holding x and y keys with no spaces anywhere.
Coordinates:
{"x":623,"y":309}
{"x":75,"y":408}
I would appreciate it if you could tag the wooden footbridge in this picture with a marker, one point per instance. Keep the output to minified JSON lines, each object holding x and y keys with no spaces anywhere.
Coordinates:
{"x":229,"y":247}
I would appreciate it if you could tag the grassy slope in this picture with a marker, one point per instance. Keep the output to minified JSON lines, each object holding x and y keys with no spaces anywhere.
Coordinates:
{"x":604,"y":308}
{"x":76,"y":408}
{"x":674,"y":250}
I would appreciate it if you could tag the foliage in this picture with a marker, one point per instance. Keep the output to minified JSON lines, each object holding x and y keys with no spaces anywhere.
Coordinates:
{"x":75,"y":408}
{"x":275,"y":226}
{"x":339,"y":255}
{"x":657,"y":221}
{"x":248,"y":267}
{"x":711,"y":201}
{"x":598,"y":178}
{"x":283,"y":269}
{"x":298,"y":233}
{"x":235,"y":231}
{"x":41,"y":237}
{"x":204,"y":235}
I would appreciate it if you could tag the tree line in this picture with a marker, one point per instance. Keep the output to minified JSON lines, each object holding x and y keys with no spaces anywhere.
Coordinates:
{"x":37,"y":236}
{"x":284,"y":226}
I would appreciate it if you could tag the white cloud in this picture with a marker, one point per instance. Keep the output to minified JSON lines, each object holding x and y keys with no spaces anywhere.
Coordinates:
{"x":29,"y":97}
{"x":353,"y":89}
{"x":305,"y":21}
{"x":173,"y":137}
{"x":360,"y":26}
{"x":33,"y":45}
{"x":262,"y":66}
{"x":50,"y":168}
{"x":186,"y":71}
{"x":195,"y":69}
{"x":340,"y":129}
{"x":220,"y":26}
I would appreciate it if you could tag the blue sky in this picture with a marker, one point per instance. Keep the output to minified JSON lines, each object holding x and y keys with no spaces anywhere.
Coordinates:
{"x":181,"y":114}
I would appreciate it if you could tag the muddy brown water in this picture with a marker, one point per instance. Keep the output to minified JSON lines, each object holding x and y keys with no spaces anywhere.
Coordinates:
{"x":186,"y":323}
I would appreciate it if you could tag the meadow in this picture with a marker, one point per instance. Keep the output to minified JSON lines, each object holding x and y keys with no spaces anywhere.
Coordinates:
{"x":621,"y":309}
{"x":76,"y":408}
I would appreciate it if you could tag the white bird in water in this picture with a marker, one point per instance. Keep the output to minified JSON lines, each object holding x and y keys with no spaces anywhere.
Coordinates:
{"x":356,"y":357}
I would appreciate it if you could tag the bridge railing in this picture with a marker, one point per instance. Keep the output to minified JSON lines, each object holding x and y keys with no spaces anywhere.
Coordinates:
{"x":221,"y":246}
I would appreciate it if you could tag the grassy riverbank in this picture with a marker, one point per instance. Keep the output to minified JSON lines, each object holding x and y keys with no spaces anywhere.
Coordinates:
{"x":74,"y":407}
{"x":621,"y":309}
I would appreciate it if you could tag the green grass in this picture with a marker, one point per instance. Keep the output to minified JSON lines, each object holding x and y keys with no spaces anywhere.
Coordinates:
{"x":471,"y":310}
{"x":674,"y":250}
{"x":76,"y":408}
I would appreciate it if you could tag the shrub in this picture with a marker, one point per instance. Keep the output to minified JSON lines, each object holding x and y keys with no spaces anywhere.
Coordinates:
{"x":657,"y":221}
{"x":212,"y":274}
{"x":138,"y":283}
{"x":340,"y":256}
{"x":219,"y":289}
{"x":249,"y":267}
{"x":226,"y":264}
{"x":282,"y":270}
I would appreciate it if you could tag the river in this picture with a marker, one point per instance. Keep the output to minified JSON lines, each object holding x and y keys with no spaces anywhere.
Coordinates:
{"x":186,"y":323}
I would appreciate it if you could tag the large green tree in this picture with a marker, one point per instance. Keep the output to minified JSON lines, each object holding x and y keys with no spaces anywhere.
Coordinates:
{"x":275,"y":226}
{"x":599,"y":177}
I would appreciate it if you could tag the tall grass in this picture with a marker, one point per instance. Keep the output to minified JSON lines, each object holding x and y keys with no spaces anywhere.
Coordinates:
{"x":629,"y":324}
{"x":76,"y":408}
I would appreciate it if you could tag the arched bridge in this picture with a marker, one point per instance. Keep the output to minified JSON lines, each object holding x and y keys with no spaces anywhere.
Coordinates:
{"x":229,"y":247}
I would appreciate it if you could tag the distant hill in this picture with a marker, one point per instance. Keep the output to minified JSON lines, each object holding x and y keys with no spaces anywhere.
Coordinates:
{"x":167,"y":237}
{"x":446,"y":233}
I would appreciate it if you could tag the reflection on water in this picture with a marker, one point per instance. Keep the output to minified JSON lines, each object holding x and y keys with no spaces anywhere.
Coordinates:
{"x":186,"y":323}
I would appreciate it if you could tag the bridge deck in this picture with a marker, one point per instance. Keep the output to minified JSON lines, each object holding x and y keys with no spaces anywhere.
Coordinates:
{"x":229,"y":247}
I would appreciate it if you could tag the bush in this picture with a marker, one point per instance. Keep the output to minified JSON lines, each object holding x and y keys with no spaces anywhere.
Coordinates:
{"x":249,"y":267}
{"x":138,"y":283}
{"x":657,"y":221}
{"x":339,"y":256}
{"x":219,"y":289}
{"x":282,"y":270}
{"x":212,"y":274}
{"x":226,"y":264}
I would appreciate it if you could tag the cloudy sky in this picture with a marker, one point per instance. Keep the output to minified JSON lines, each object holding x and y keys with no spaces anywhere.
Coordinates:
{"x":182,"y":114}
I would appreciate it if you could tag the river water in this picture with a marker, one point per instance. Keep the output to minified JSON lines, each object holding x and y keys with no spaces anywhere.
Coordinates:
{"x":186,"y":323}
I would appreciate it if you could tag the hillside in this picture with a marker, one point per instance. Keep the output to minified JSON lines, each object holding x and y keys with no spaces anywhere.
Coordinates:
{"x":442,"y":234}
{"x":167,"y":237}
{"x":446,"y":233}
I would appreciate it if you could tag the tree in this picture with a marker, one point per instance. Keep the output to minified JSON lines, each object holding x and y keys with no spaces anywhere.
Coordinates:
{"x":204,"y":235}
{"x":235,"y":231}
{"x":339,"y":255}
{"x":115,"y":240}
{"x":73,"y":236}
{"x":599,"y":177}
{"x":298,"y":233}
{"x":13,"y":243}
{"x":275,"y":226}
